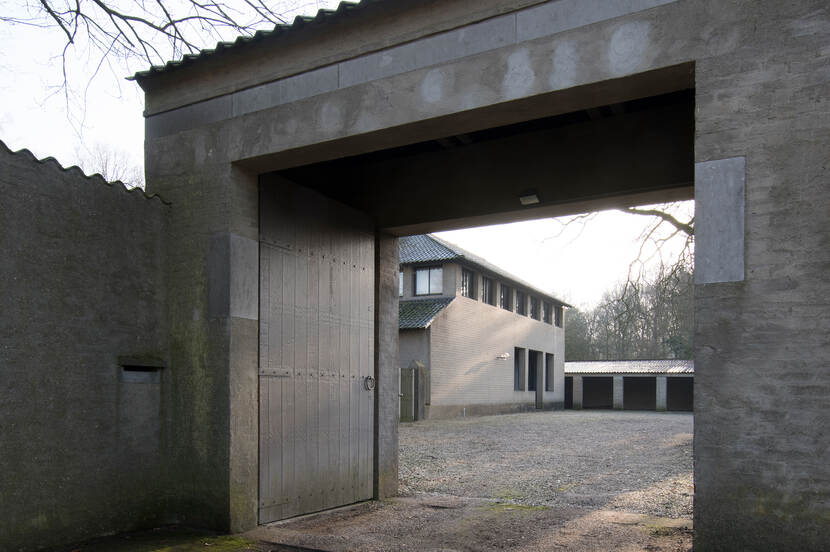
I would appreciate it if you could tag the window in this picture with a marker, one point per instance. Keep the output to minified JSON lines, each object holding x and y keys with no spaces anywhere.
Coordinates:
{"x":532,"y":370}
{"x":487,"y":291}
{"x":521,"y":303}
{"x":547,"y":312}
{"x":560,"y":315}
{"x":506,"y":297}
{"x":518,"y":369}
{"x":534,"y":308}
{"x":468,"y":283}
{"x":400,"y":284}
{"x":428,"y":281}
{"x":548,"y":372}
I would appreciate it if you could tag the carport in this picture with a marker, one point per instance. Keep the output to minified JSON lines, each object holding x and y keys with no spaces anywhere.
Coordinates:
{"x":630,"y":384}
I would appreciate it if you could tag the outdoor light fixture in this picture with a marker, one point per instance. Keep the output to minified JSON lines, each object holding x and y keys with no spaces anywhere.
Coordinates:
{"x":503,"y":356}
{"x":529,"y":198}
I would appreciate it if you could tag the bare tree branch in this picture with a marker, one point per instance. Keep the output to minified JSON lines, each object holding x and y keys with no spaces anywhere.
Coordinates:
{"x":688,"y":228}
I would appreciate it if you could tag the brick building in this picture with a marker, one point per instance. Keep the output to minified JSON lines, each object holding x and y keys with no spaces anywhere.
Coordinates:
{"x":491,"y":342}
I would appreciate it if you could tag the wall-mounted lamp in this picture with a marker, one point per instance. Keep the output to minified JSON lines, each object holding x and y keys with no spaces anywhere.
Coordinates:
{"x":503,"y":356}
{"x":529,"y":197}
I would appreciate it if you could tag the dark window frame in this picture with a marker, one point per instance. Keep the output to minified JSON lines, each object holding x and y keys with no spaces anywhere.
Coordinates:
{"x":487,"y":295}
{"x":468,"y":283}
{"x":547,"y":312}
{"x":521,"y":305}
{"x":506,"y":300}
{"x":534,"y":308}
{"x":559,"y":314}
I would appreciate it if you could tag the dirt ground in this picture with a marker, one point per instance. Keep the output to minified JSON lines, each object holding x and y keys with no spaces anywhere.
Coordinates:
{"x":541,"y":481}
{"x":533,"y":482}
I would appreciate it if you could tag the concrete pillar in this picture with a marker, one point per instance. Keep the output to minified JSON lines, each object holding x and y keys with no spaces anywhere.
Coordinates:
{"x":577,"y":392}
{"x":661,"y":393}
{"x":618,"y":392}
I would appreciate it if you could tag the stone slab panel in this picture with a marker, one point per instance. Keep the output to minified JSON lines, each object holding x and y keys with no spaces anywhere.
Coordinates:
{"x":719,"y":220}
{"x":556,"y":17}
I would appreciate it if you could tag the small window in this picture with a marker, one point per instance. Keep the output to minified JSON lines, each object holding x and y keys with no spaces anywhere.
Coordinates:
{"x":429,"y":281}
{"x":560,"y":315}
{"x":468,"y":283}
{"x":487,"y":291}
{"x":547,"y":312}
{"x":400,"y":284}
{"x":534,"y":308}
{"x":521,"y":303}
{"x":506,"y":297}
{"x":549,"y":372}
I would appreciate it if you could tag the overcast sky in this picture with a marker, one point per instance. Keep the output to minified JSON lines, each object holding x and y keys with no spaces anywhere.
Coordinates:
{"x":576,"y":264}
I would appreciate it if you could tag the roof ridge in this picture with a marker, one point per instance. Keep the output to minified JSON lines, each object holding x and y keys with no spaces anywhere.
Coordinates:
{"x":75,"y":170}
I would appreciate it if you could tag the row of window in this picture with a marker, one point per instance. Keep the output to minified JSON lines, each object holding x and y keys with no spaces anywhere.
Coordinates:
{"x":430,"y":281}
{"x":539,"y":310}
{"x":526,"y":369}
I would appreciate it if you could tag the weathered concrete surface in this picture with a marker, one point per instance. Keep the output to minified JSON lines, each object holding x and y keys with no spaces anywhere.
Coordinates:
{"x":760,"y":75}
{"x":387,"y":409}
{"x":81,"y":292}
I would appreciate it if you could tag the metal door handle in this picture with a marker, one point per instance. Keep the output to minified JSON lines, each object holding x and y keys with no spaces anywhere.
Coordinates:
{"x":369,"y":383}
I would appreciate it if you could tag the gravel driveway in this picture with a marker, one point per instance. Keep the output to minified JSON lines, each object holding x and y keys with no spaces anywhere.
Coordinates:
{"x":634,"y":461}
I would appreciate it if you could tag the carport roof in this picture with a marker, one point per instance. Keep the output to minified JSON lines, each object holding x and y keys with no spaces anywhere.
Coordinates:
{"x":419,"y":313}
{"x":631,"y":367}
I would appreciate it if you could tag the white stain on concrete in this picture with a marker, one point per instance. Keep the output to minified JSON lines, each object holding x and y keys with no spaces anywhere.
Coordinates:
{"x":331,"y":117}
{"x":628,"y":47}
{"x":519,"y":78}
{"x":565,"y":62}
{"x":432,"y":87}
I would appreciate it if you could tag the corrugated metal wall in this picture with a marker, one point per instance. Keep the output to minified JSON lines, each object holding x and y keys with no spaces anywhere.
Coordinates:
{"x":316,"y":351}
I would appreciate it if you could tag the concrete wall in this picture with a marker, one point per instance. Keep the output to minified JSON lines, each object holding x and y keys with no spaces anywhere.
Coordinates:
{"x":81,"y":284}
{"x":413,"y":345}
{"x":465,"y":340}
{"x":760,"y":74}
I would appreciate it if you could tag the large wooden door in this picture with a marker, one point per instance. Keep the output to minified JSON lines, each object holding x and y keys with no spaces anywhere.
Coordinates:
{"x":316,"y":361}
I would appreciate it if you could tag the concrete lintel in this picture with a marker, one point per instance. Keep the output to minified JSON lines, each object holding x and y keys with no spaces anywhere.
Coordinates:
{"x":719,"y":220}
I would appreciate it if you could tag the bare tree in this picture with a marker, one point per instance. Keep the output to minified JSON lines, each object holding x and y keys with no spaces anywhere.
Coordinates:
{"x":111,"y":163}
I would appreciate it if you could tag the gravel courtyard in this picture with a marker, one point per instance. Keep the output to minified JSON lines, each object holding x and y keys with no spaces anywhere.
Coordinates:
{"x":634,"y":461}
{"x":537,"y":482}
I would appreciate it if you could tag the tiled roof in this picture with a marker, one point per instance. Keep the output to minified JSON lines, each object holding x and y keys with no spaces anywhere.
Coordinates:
{"x":631,"y":367}
{"x":419,"y":313}
{"x":300,"y":22}
{"x":53,"y":163}
{"x":427,"y":248}
{"x":424,"y":249}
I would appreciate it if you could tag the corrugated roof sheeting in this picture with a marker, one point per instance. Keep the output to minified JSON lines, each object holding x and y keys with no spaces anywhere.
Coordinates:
{"x":631,"y":367}
{"x":301,"y":21}
{"x":419,"y":313}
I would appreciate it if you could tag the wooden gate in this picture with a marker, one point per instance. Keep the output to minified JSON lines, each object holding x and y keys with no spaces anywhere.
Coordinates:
{"x":316,"y":358}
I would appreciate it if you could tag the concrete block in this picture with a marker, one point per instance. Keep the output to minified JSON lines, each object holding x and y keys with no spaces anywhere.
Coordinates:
{"x":309,"y":84}
{"x":556,"y":17}
{"x":719,"y":220}
{"x":472,"y":39}
{"x":191,"y":116}
{"x":577,"y":392}
{"x":660,"y":401}
{"x":244,"y":277}
{"x":256,"y":98}
{"x":619,"y":390}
